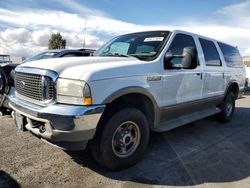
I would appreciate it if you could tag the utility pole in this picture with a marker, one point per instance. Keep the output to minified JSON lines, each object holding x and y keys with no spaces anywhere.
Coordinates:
{"x":84,"y":37}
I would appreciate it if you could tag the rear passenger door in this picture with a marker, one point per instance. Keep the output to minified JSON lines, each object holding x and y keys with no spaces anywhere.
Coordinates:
{"x":213,"y":76}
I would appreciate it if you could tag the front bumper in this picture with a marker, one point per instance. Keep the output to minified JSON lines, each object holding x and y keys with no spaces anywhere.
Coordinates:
{"x":66,"y":126}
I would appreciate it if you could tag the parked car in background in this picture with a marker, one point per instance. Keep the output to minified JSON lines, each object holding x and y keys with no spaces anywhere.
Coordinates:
{"x":247,"y":84}
{"x":6,"y":83}
{"x":6,"y":70}
{"x":60,"y":53}
{"x":134,"y":84}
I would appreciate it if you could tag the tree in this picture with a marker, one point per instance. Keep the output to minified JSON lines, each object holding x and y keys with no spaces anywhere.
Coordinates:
{"x":56,"y":42}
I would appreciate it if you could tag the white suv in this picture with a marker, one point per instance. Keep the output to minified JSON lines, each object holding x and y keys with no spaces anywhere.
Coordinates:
{"x":136,"y":83}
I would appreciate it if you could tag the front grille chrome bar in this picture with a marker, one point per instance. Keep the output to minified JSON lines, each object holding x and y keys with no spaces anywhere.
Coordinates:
{"x":36,"y":85}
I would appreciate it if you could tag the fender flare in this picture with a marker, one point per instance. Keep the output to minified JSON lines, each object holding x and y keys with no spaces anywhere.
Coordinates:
{"x":229,"y":85}
{"x":136,"y":90}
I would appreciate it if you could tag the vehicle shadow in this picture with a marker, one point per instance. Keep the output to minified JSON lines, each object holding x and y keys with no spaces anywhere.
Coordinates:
{"x":201,"y":152}
{"x":7,"y":181}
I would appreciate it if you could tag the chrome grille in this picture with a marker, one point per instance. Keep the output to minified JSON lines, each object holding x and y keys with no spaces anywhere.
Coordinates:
{"x":34,"y":86}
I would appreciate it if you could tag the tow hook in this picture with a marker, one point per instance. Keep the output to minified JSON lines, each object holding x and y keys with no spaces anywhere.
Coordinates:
{"x":42,"y":129}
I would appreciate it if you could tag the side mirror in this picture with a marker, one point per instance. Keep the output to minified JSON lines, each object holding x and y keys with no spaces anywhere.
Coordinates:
{"x":168,"y":58}
{"x":189,"y":60}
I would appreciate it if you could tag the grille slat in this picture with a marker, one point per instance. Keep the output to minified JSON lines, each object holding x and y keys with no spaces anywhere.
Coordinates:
{"x":31,"y":86}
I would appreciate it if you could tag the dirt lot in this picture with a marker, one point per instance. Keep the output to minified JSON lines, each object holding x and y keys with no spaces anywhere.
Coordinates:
{"x":202,"y":154}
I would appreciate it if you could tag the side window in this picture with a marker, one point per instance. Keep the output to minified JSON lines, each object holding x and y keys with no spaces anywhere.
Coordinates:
{"x":210,"y":52}
{"x":179,"y":42}
{"x":72,"y":55}
{"x":231,"y":55}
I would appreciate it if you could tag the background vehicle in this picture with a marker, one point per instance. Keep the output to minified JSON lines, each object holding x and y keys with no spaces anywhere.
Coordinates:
{"x":60,"y":53}
{"x":6,"y":82}
{"x":6,"y":68}
{"x":247,"y":85}
{"x":134,"y":84}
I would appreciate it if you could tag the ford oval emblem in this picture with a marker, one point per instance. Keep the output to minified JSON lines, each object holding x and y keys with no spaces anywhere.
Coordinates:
{"x":22,"y":84}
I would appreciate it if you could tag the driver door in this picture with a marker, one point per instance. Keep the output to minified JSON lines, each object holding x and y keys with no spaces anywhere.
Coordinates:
{"x":182,"y":87}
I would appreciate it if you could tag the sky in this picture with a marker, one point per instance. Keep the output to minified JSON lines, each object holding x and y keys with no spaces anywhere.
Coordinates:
{"x":26,"y":26}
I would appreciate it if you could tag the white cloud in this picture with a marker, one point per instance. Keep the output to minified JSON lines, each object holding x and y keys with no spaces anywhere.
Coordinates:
{"x":26,"y":43}
{"x":236,"y":15}
{"x":41,"y":37}
{"x":80,"y":8}
{"x":76,"y":40}
{"x":36,"y":25}
{"x":18,"y":35}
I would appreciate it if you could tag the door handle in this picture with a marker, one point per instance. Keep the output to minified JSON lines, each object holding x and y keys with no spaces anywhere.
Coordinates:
{"x":199,"y":74}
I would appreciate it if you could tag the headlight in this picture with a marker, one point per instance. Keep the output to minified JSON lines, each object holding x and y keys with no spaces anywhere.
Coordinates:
{"x":73,"y":92}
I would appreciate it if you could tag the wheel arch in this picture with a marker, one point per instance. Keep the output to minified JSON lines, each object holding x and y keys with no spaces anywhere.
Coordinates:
{"x":137,"y":97}
{"x":233,"y":87}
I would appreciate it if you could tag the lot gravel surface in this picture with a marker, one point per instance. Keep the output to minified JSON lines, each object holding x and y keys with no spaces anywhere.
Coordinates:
{"x":201,"y":154}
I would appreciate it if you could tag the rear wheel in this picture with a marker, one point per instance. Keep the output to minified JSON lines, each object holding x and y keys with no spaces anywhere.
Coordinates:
{"x":227,"y":108}
{"x":246,"y":83}
{"x":122,"y":140}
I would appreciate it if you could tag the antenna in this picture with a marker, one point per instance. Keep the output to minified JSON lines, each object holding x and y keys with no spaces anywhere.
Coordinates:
{"x":84,"y":37}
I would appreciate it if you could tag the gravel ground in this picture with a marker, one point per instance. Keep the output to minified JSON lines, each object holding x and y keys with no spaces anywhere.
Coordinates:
{"x":202,"y":154}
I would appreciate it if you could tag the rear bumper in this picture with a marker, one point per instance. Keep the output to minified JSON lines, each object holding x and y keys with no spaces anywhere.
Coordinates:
{"x":69,"y":127}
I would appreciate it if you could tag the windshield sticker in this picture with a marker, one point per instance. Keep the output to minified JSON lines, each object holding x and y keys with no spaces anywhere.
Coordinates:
{"x":153,"y":39}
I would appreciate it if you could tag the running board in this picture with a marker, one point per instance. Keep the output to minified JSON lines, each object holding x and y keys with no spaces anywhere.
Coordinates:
{"x":182,"y":120}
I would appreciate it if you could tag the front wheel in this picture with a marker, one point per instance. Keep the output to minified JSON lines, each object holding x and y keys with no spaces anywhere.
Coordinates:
{"x":227,"y":108}
{"x":122,"y":140}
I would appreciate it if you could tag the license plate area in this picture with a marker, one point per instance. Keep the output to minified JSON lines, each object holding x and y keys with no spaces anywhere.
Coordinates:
{"x":20,"y":121}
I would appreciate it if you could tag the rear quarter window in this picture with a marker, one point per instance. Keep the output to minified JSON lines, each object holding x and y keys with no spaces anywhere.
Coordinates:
{"x":231,"y":55}
{"x":210,"y":52}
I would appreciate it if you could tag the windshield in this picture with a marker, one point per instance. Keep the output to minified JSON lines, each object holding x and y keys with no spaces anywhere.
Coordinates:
{"x":144,"y":46}
{"x":43,"y":55}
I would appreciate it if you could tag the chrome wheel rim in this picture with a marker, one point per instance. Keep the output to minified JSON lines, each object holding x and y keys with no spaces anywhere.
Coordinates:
{"x":229,"y":109}
{"x":126,"y":139}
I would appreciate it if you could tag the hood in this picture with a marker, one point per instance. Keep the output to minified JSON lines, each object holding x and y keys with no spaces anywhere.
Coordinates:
{"x":76,"y":67}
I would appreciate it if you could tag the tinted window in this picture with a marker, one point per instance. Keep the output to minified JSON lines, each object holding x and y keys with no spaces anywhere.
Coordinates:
{"x":179,"y":42}
{"x":72,"y":55}
{"x":43,"y":55}
{"x":231,"y":55}
{"x":211,"y":54}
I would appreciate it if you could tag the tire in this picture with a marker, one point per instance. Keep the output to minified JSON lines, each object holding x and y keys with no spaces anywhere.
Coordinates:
{"x":227,"y":108}
{"x":122,"y":140}
{"x":4,"y":111}
{"x":246,"y":83}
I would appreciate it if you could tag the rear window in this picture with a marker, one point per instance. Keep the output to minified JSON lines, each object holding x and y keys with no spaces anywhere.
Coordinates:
{"x":231,"y":55}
